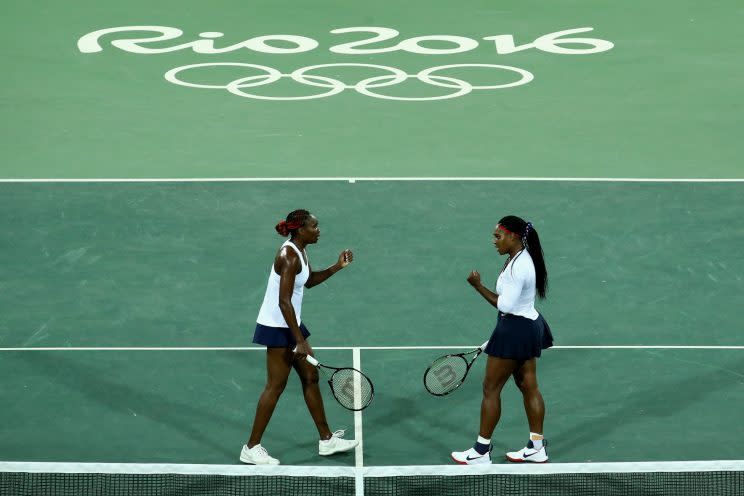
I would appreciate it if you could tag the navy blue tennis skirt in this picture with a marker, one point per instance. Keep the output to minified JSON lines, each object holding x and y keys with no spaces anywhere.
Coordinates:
{"x":519,"y":338}
{"x":280,"y":337}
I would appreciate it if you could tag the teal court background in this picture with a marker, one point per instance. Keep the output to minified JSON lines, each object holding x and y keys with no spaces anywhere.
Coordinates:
{"x":184,"y":265}
{"x":664,"y":102}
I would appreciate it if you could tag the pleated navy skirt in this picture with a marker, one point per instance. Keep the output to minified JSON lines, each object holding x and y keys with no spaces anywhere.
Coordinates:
{"x":519,"y":338}
{"x":277,"y":337}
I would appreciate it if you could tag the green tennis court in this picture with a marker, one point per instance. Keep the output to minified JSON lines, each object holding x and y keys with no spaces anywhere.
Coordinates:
{"x":183,"y":266}
{"x":150,"y":149}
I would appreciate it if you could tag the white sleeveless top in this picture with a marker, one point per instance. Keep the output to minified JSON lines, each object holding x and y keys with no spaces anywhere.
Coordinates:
{"x":270,"y":314}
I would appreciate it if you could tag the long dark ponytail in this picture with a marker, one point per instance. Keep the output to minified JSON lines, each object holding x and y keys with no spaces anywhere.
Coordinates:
{"x":531,"y":241}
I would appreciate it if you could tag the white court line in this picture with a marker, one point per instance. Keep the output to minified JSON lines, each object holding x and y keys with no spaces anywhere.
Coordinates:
{"x":359,"y":450}
{"x":457,"y":347}
{"x":357,"y":364}
{"x":355,"y":179}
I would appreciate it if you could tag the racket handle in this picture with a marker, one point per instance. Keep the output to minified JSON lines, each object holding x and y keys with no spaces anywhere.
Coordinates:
{"x":309,"y":358}
{"x":483,"y":346}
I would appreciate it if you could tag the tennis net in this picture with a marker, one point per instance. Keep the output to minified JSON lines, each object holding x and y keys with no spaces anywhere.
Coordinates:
{"x":710,"y":478}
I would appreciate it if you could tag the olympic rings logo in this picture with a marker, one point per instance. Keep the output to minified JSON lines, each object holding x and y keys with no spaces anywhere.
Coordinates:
{"x":332,"y":86}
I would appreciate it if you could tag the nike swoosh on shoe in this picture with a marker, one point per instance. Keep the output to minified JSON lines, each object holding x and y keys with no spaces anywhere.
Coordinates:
{"x":474,"y":458}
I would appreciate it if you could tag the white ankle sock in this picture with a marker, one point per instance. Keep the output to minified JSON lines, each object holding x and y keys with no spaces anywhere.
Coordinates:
{"x":537,"y":440}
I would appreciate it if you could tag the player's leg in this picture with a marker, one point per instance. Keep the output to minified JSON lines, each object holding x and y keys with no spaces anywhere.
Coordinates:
{"x":525,"y":378}
{"x":278,"y":365}
{"x":308,"y":375}
{"x":498,"y":371}
{"x":330,"y":442}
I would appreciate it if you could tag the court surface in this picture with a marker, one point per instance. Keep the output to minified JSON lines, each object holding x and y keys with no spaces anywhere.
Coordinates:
{"x":137,"y":218}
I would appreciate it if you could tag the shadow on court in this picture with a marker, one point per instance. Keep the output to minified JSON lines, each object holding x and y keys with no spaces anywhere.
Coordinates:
{"x":190,"y":421}
{"x":660,"y":400}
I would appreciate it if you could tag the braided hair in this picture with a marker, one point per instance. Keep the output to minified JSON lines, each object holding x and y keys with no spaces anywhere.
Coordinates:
{"x":531,"y":242}
{"x":295,"y":220}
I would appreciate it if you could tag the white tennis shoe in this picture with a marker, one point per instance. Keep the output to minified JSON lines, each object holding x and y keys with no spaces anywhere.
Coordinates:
{"x":336,"y":444}
{"x":529,"y":454}
{"x":257,"y":456}
{"x":470,"y":457}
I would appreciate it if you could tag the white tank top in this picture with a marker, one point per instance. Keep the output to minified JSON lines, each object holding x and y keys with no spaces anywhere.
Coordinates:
{"x":270,"y":314}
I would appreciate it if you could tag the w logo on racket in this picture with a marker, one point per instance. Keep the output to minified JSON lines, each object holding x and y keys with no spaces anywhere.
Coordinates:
{"x":445,"y":375}
{"x":351,"y":388}
{"x":448,"y":372}
{"x":347,"y":389}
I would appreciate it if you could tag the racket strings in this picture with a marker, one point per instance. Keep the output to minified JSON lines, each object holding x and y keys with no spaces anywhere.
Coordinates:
{"x":352,"y":389}
{"x":446,"y":374}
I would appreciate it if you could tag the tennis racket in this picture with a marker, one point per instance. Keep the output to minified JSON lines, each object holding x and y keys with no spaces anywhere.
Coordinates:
{"x":351,"y":388}
{"x":448,"y":372}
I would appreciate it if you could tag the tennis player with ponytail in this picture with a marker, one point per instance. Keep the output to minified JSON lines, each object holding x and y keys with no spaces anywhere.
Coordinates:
{"x":520,"y":336}
{"x":279,"y":327}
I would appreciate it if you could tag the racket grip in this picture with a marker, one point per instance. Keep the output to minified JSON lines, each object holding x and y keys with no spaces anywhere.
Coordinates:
{"x":483,"y":346}
{"x":309,"y":358}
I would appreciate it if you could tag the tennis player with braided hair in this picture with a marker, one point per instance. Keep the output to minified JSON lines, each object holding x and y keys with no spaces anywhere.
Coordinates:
{"x":520,"y":335}
{"x":279,"y":327}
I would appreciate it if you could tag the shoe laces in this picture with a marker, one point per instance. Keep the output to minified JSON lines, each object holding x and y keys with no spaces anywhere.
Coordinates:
{"x":339,"y":433}
{"x":261,"y":450}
